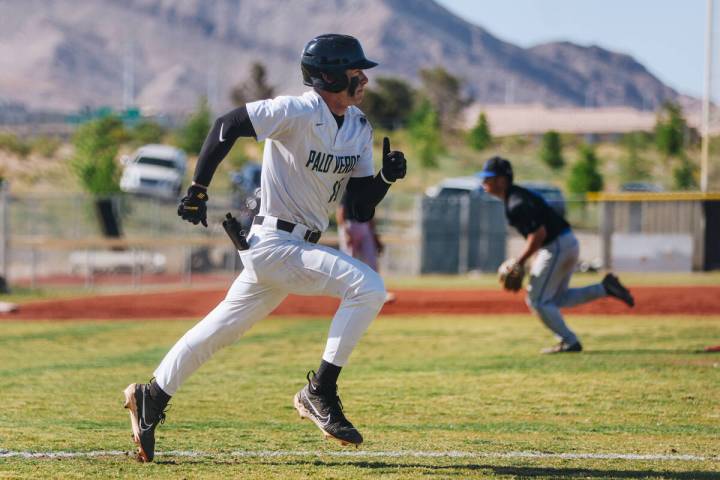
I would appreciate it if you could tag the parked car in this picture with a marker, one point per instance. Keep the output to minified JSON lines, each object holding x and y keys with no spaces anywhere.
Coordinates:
{"x":552,"y":195}
{"x":456,"y":186}
{"x":641,"y":187}
{"x":472,"y":185}
{"x":154,"y":170}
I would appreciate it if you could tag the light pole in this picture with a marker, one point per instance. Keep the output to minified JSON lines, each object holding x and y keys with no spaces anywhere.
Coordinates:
{"x":706,"y":99}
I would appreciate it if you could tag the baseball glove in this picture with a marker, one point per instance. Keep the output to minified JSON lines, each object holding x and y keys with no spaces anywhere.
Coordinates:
{"x":511,"y":274}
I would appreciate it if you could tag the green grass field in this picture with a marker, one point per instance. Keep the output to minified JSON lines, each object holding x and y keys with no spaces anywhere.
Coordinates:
{"x":417,"y":388}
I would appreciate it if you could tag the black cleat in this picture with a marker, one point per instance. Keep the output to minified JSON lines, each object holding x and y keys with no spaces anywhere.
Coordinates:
{"x":563,"y":347}
{"x":614,"y":288}
{"x":326,"y":411}
{"x":145,"y":415}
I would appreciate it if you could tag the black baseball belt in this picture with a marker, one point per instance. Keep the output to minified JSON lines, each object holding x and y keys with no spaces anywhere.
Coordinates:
{"x":312,"y":236}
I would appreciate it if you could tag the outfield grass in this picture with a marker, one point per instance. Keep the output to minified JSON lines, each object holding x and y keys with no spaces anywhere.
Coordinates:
{"x":437,"y":384}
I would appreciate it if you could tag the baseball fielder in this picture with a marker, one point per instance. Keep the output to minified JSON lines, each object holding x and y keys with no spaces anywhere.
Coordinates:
{"x":548,"y":234}
{"x":317,"y":146}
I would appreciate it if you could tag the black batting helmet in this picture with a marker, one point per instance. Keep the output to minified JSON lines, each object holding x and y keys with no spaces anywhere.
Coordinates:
{"x":332,"y":54}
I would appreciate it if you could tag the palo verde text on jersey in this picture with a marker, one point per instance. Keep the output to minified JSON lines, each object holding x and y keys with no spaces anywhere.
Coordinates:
{"x":321,"y":162}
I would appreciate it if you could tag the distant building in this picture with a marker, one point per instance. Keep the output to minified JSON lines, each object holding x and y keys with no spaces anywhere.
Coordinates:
{"x":596,"y":123}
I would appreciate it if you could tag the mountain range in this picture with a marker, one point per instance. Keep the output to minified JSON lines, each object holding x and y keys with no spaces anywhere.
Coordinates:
{"x":164,"y":54}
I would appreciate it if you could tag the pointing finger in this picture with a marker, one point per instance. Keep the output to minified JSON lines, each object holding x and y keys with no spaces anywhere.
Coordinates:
{"x":386,"y":147}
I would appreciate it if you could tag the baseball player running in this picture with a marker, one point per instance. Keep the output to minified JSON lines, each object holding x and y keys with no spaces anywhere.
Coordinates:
{"x":317,"y":146}
{"x":548,"y":234}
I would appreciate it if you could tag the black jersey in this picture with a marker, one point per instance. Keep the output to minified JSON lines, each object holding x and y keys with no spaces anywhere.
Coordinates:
{"x":527,"y":211}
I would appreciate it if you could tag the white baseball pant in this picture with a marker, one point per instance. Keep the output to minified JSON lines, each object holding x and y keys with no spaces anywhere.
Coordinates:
{"x":548,"y":287}
{"x":277,"y":264}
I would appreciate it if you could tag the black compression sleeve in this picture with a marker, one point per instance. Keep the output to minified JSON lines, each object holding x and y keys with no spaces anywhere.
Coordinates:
{"x":364,"y":194}
{"x":220,"y":140}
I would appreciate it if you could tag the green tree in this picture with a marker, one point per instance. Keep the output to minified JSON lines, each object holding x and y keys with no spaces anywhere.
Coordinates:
{"x":684,"y":174}
{"x":96,"y":146}
{"x":633,"y":166}
{"x":389,"y":103}
{"x":479,"y":136}
{"x":147,"y":131}
{"x":193,"y":133}
{"x":425,"y":134}
{"x":551,"y":150}
{"x":444,"y":91}
{"x":255,"y":87}
{"x":584,"y":174}
{"x":670,"y":128}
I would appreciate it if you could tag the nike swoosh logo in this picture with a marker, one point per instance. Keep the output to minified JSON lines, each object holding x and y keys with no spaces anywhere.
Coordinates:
{"x":144,"y":427}
{"x":319,"y":124}
{"x":323,"y":420}
{"x":221,"y":129}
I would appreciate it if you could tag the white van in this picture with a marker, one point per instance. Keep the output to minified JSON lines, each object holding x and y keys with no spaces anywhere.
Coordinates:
{"x":155,"y":171}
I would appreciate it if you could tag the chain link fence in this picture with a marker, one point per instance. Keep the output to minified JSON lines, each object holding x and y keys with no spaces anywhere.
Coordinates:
{"x":55,"y":239}
{"x":48,"y":240}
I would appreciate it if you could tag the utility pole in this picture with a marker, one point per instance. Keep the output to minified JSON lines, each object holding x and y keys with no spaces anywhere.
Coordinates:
{"x":129,"y":72}
{"x":706,"y":99}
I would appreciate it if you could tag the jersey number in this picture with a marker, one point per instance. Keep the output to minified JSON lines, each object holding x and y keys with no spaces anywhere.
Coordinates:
{"x":335,"y":192}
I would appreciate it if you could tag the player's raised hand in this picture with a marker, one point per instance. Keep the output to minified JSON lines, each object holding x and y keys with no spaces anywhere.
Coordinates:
{"x":193,"y":206}
{"x":394,"y":165}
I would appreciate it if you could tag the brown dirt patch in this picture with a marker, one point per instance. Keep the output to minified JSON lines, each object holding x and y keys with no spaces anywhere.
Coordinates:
{"x":196,"y":303}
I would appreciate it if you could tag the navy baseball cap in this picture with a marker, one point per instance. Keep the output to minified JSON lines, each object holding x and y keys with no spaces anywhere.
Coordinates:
{"x":496,"y":167}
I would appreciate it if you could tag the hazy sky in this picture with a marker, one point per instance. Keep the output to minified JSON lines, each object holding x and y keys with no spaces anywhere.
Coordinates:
{"x":666,"y":36}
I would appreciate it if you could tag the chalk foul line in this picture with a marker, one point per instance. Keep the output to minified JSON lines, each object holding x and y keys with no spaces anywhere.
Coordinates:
{"x":399,"y":454}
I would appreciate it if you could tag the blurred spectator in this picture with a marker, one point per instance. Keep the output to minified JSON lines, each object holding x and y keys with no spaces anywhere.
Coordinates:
{"x":359,"y":239}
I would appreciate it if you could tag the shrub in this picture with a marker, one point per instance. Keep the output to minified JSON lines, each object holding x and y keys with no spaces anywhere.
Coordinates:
{"x":14,"y":144}
{"x":684,"y":174}
{"x":670,"y":128}
{"x":584,"y":175}
{"x":147,"y":131}
{"x":479,"y":136}
{"x":193,"y":133}
{"x":96,"y":145}
{"x":551,"y":150}
{"x":425,"y":133}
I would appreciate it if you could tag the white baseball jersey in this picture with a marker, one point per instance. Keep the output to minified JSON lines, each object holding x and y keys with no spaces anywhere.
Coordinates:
{"x":307,"y":160}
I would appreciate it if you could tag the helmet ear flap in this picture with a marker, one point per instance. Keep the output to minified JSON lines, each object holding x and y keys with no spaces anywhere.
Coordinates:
{"x":330,"y":80}
{"x":335,"y":81}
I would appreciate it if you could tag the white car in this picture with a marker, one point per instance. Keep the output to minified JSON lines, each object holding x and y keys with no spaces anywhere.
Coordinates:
{"x":155,"y":171}
{"x":471,"y":185}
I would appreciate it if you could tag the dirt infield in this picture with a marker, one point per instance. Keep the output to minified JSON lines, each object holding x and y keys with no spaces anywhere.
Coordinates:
{"x":194,"y":304}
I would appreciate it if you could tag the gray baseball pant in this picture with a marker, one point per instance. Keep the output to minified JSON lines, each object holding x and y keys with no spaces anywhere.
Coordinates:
{"x":549,"y":279}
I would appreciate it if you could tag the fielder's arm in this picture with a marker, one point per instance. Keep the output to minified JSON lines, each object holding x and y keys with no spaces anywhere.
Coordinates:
{"x":532,"y":244}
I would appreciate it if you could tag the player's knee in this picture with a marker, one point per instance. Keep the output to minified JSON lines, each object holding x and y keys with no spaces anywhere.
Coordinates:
{"x":536,"y":303}
{"x":372,"y":289}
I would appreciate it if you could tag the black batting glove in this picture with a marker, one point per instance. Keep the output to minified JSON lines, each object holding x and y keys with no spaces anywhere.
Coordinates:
{"x":193,"y":206}
{"x":394,"y":163}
